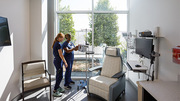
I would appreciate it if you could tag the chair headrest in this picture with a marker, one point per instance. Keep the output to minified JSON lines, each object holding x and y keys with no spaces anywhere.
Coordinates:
{"x":112,"y":51}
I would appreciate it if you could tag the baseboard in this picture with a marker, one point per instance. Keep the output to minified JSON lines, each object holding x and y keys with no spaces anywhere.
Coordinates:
{"x":17,"y":98}
{"x":129,"y":80}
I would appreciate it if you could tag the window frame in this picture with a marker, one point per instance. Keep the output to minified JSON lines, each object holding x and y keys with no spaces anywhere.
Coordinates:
{"x":92,"y":12}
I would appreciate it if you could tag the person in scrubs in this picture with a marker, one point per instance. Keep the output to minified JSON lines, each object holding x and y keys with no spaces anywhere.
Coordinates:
{"x":58,"y":58}
{"x":69,"y":48}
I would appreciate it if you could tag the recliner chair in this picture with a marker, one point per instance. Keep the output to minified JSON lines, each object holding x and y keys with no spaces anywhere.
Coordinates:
{"x":110,"y":84}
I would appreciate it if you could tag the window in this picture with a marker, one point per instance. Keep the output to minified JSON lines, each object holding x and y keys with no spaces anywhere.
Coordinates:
{"x":99,"y":23}
{"x":108,"y":30}
{"x":74,"y":5}
{"x":111,"y":5}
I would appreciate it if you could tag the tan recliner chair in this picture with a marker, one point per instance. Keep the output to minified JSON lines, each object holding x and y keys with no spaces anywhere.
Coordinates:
{"x":110,"y":84}
{"x":34,"y":76}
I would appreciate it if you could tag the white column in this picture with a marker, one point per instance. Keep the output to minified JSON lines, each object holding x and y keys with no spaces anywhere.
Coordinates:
{"x":38,"y":29}
{"x":51,"y":33}
{"x":44,"y":40}
{"x":35,"y":30}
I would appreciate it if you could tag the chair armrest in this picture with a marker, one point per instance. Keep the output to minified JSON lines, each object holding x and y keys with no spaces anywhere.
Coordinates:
{"x":48,"y":74}
{"x":95,"y":68}
{"x":118,"y":75}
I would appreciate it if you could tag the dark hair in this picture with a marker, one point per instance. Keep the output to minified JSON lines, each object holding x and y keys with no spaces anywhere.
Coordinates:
{"x":60,"y":35}
{"x":67,"y":36}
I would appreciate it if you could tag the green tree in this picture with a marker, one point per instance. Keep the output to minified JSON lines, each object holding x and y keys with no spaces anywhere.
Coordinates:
{"x":66,"y":22}
{"x":105,"y":26}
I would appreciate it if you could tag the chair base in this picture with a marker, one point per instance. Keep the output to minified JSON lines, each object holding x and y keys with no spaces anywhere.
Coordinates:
{"x":50,"y":93}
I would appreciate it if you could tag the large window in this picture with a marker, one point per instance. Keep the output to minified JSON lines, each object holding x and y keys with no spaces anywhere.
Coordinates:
{"x":111,"y":4}
{"x":74,"y":5}
{"x":99,"y":23}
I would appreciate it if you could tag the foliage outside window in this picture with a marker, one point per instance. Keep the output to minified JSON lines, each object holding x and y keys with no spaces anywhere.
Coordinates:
{"x":106,"y":28}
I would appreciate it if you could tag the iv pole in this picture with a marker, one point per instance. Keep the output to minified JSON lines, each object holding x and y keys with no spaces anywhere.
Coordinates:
{"x":87,"y":52}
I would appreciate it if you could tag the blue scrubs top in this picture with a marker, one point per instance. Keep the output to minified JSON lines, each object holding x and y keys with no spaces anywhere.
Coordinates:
{"x":56,"y":47}
{"x":70,"y":45}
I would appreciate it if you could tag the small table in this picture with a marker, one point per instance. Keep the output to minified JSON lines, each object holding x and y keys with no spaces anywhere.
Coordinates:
{"x":159,"y":90}
{"x":131,"y":65}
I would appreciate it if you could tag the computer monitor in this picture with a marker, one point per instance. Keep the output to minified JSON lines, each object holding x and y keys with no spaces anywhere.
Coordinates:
{"x":4,"y":32}
{"x":144,"y":47}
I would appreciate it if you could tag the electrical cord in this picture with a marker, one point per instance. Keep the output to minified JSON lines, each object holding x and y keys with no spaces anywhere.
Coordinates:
{"x":153,"y":73}
{"x":152,"y":76}
{"x":149,"y":72}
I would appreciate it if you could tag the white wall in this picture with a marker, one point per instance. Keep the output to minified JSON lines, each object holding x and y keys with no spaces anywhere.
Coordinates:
{"x":11,"y":57}
{"x":28,"y":28}
{"x":149,"y":14}
{"x":38,"y":29}
{"x":44,"y":30}
{"x":35,"y":29}
{"x":51,"y":32}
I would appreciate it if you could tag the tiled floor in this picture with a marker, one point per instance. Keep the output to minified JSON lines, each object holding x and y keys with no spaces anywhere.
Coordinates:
{"x":79,"y":95}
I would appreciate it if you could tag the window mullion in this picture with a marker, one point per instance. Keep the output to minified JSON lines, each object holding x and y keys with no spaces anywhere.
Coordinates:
{"x":92,"y":32}
{"x":75,"y":12}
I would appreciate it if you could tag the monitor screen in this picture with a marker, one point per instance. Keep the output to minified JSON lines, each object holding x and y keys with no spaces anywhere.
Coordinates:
{"x":4,"y":32}
{"x":144,"y":47}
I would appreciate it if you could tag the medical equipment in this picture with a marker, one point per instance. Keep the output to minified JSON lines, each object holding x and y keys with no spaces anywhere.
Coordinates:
{"x":83,"y":48}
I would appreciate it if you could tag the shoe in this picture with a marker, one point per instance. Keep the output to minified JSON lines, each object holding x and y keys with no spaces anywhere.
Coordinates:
{"x":57,"y":94}
{"x":61,"y":90}
{"x":72,"y":83}
{"x":67,"y":87}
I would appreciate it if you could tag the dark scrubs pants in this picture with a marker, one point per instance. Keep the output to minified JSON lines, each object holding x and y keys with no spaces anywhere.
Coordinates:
{"x":59,"y":72}
{"x":68,"y":72}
